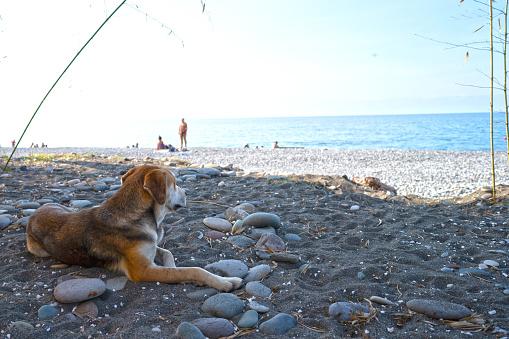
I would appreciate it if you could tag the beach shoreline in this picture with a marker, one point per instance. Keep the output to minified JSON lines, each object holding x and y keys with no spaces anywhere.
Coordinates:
{"x":430,"y":174}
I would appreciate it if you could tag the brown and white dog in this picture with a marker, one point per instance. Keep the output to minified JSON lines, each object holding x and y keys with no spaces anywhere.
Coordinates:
{"x":121,"y":234}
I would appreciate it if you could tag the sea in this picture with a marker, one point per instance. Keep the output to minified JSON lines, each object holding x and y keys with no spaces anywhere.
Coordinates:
{"x":458,"y":131}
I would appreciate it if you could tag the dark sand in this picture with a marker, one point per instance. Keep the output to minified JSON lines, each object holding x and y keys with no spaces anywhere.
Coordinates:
{"x":397,"y":243}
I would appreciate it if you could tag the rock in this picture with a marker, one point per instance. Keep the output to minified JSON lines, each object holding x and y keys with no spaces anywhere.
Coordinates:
{"x":20,"y":326}
{"x":341,"y":310}
{"x":262,"y":255}
{"x":80,"y":203}
{"x":47,"y":311}
{"x":202,"y":176}
{"x":214,"y":328}
{"x":78,"y":290}
{"x":109,"y":180}
{"x":228,"y":268}
{"x":28,"y":205}
{"x":73,"y":182}
{"x":272,"y":242}
{"x":28,"y":212}
{"x":241,"y":241}
{"x":254,"y":305}
{"x":213,"y":172}
{"x":8,"y":208}
{"x":474,"y":271}
{"x":214,"y":235}
{"x":4,"y":222}
{"x":257,"y":289}
{"x":100,"y":187}
{"x":257,"y":273}
{"x":189,"y":331}
{"x":218,"y":224}
{"x":262,"y":219}
{"x":278,"y":325}
{"x":233,"y":213}
{"x":116,"y":284}
{"x":44,"y":201}
{"x":381,"y":301}
{"x":23,"y":221}
{"x":88,"y":308}
{"x":258,"y":232}
{"x":249,"y":208}
{"x":248,"y":319}
{"x":285,"y":257}
{"x":223,"y":305}
{"x":491,"y":263}
{"x":63,"y":278}
{"x":292,"y":237}
{"x":202,"y":294}
{"x":438,"y":309}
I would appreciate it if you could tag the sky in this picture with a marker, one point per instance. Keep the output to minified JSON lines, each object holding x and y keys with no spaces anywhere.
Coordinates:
{"x":164,"y":59}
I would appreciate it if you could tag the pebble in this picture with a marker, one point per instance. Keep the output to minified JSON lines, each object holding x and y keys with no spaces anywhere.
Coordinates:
{"x":202,"y":294}
{"x":491,"y":263}
{"x":240,"y":241}
{"x":271,"y":242}
{"x":257,"y":289}
{"x":8,"y":208}
{"x":381,"y":301}
{"x":292,"y":237}
{"x":361,"y":276}
{"x":47,"y":311}
{"x":254,"y":203}
{"x":474,"y":271}
{"x":261,"y":219}
{"x":73,"y":182}
{"x":28,"y":212}
{"x":248,"y":319}
{"x":438,"y":309}
{"x":23,"y":221}
{"x":63,"y":278}
{"x":77,"y":290}
{"x":214,"y":235}
{"x":341,"y":310}
{"x":446,"y":269}
{"x":116,"y":284}
{"x":355,"y":208}
{"x":223,"y":305}
{"x":214,"y":328}
{"x":228,"y":268}
{"x":258,"y":232}
{"x":28,"y":205}
{"x":209,"y":171}
{"x":249,"y":208}
{"x":285,"y":257}
{"x":21,"y":326}
{"x":234,"y":213}
{"x":278,"y":325}
{"x":218,"y":224}
{"x":257,"y":273}
{"x":44,"y":201}
{"x":188,"y":331}
{"x":80,"y":203}
{"x":100,"y":187}
{"x":4,"y":222}
{"x":254,"y":305}
{"x":88,"y":308}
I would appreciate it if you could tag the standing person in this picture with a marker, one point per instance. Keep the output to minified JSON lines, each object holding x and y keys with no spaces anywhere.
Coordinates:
{"x":183,"y":134}
{"x":13,"y":143}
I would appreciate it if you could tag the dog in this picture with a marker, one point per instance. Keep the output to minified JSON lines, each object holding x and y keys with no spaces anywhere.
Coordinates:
{"x":123,"y":233}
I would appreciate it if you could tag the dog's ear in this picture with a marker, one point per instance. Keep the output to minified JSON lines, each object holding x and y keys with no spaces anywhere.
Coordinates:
{"x":131,"y":171}
{"x":155,"y":184}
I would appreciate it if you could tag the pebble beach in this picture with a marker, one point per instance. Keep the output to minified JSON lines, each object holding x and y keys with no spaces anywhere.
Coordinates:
{"x":429,"y":174}
{"x":320,"y":256}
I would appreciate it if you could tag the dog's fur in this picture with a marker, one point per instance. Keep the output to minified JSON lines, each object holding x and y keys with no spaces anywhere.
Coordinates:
{"x":122,"y":234}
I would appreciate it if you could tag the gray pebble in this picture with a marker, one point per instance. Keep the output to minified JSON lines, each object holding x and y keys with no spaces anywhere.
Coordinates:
{"x":257,"y":273}
{"x":438,"y":309}
{"x":80,"y":203}
{"x":218,"y":224}
{"x":47,"y":311}
{"x":361,"y":276}
{"x":23,"y":221}
{"x":257,"y":289}
{"x":223,"y":305}
{"x":285,"y":257}
{"x":270,"y":241}
{"x":240,"y":240}
{"x":116,"y":284}
{"x":202,"y":294}
{"x":292,"y":237}
{"x":28,"y":212}
{"x":77,"y":290}
{"x":262,"y":219}
{"x":254,"y":305}
{"x":228,"y":268}
{"x":341,"y":310}
{"x":8,"y":208}
{"x":20,"y":326}
{"x":278,"y":325}
{"x":214,"y":328}
{"x":100,"y":187}
{"x":189,"y":331}
{"x":28,"y":205}
{"x":4,"y":222}
{"x":446,"y":269}
{"x":209,"y":171}
{"x":380,"y":300}
{"x":249,"y":208}
{"x":249,"y":319}
{"x":234,"y":213}
{"x":258,"y":232}
{"x":88,"y":308}
{"x":474,"y":271}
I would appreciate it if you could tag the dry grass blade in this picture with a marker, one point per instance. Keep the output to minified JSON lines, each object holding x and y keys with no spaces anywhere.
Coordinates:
{"x":364,"y":318}
{"x":312,"y":328}
{"x":239,"y":334}
{"x":305,"y":269}
{"x":474,"y":323}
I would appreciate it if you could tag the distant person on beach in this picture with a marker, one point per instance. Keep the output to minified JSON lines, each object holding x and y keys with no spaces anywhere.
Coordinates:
{"x":183,"y":134}
{"x":13,"y":143}
{"x":275,"y":145}
{"x":246,"y":145}
{"x":160,"y":144}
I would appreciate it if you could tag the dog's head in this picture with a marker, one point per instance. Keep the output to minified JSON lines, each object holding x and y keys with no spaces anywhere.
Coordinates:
{"x":158,"y":184}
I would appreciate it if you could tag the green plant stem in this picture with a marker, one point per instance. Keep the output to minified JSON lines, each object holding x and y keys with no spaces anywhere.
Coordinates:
{"x":58,"y":79}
